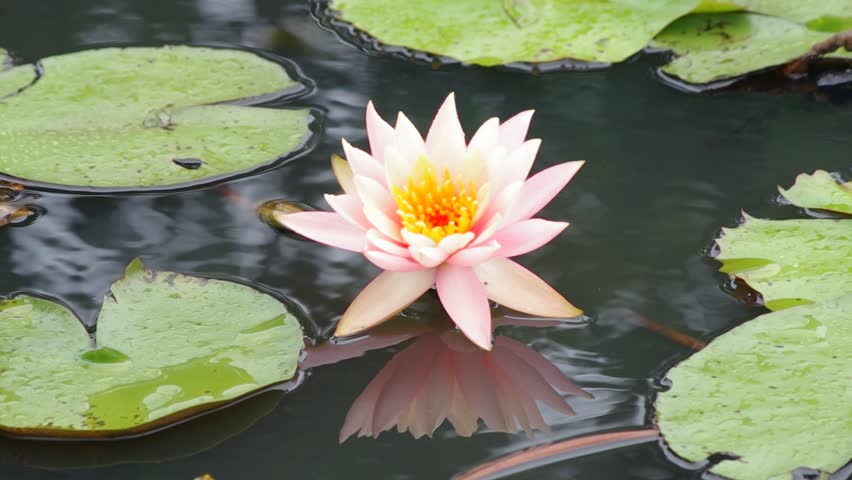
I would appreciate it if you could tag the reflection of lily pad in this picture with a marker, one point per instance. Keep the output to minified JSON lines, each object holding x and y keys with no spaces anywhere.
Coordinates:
{"x":790,"y":262}
{"x":129,"y":118}
{"x":713,"y":47}
{"x":820,"y":191}
{"x":168,"y":346}
{"x":775,"y":391}
{"x":494,"y":32}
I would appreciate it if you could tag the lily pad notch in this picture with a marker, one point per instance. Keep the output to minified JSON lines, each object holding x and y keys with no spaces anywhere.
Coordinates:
{"x":168,"y":347}
{"x":145,"y":119}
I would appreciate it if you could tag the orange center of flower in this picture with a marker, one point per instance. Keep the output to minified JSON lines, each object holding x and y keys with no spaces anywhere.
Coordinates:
{"x":434,"y":206}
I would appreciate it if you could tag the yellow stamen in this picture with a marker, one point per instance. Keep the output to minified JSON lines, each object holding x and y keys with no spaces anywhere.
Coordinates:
{"x":435,"y":207}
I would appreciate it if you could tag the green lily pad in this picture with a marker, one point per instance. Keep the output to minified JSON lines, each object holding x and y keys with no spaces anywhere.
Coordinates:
{"x":495,"y":32}
{"x":775,"y":391}
{"x":790,"y":262}
{"x":146,"y":118}
{"x":714,"y":47}
{"x":168,"y":346}
{"x":820,"y":191}
{"x":827,"y":15}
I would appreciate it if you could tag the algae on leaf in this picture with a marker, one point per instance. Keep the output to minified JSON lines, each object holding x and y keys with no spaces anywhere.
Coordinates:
{"x":123,"y":118}
{"x":820,"y":191}
{"x":167,"y":346}
{"x":715,"y":47}
{"x":495,"y":32}
{"x":775,"y":391}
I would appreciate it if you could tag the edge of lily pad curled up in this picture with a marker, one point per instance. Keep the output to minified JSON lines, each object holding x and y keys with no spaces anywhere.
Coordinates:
{"x":440,"y":211}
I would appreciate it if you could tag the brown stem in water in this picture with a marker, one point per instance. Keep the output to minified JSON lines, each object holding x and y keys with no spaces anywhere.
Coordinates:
{"x":836,"y":42}
{"x":600,"y":441}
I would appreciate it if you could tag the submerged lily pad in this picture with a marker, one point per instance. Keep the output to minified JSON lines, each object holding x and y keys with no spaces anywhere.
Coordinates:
{"x":790,"y":262}
{"x":714,"y":47}
{"x":820,"y":191}
{"x":495,"y":32}
{"x":126,"y":118}
{"x":776,"y":392}
{"x":167,"y":346}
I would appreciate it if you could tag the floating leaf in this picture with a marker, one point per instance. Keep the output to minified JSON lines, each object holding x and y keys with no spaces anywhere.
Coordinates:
{"x":489,"y":32}
{"x":820,"y":191}
{"x":790,"y":262}
{"x":168,"y":346}
{"x":826,"y":15}
{"x":714,"y":47}
{"x":774,"y":391}
{"x":129,"y":118}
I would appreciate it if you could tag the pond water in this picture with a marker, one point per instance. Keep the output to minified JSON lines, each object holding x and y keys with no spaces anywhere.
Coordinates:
{"x":665,"y":170}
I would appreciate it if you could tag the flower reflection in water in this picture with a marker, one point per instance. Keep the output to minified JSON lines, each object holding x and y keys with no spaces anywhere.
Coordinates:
{"x":443,"y":376}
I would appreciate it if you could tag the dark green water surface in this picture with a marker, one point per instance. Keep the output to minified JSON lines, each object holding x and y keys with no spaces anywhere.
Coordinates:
{"x":665,"y":171}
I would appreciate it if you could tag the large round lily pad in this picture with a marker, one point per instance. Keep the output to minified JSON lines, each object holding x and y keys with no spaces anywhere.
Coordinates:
{"x":776,"y":391}
{"x":714,"y":47}
{"x":494,"y":32}
{"x":790,"y":262}
{"x":145,"y":118}
{"x":820,"y":191}
{"x":167,"y":346}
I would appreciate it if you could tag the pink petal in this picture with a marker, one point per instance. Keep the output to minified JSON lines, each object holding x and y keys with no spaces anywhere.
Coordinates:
{"x":518,"y":163}
{"x":541,"y":188}
{"x":455,"y":242}
{"x":485,"y":139}
{"x":375,"y":194}
{"x":386,"y":295}
{"x":472,"y":256}
{"x":512,"y":285}
{"x":527,"y":235}
{"x":514,"y":130}
{"x":463,"y":297}
{"x":362,"y":163}
{"x":379,"y":241}
{"x":382,"y":222}
{"x":394,"y":263}
{"x":325,"y":227}
{"x":408,"y":140}
{"x":429,"y":257}
{"x":350,"y":208}
{"x":344,"y":174}
{"x":445,"y":141}
{"x":379,"y":133}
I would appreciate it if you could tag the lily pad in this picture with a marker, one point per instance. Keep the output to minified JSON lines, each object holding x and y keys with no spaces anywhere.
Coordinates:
{"x":495,"y":32}
{"x":820,"y":191}
{"x":715,"y":47}
{"x":775,"y":391}
{"x":146,"y":118}
{"x":168,"y":346}
{"x":827,"y":15}
{"x":790,"y":262}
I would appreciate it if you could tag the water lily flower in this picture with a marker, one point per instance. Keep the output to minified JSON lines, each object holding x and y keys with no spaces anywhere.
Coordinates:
{"x":442,"y":376}
{"x":443,"y":212}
